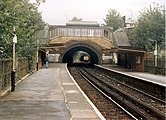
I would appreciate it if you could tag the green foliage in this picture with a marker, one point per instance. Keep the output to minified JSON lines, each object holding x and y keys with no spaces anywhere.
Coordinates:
{"x":114,"y":20}
{"x":151,"y":25}
{"x":40,"y":1}
{"x":27,"y":21}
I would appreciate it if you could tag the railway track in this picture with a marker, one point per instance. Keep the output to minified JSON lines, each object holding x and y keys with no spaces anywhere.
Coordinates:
{"x":152,"y":89}
{"x":153,"y":101}
{"x":149,"y":106}
{"x":109,"y":109}
{"x":136,"y":103}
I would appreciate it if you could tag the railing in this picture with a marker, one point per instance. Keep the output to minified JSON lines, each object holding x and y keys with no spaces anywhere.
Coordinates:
{"x":5,"y":72}
{"x":150,"y":67}
{"x":74,"y":31}
{"x":23,"y":68}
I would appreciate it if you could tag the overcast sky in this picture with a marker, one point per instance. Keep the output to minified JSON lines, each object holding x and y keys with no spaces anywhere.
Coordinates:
{"x":60,"y":11}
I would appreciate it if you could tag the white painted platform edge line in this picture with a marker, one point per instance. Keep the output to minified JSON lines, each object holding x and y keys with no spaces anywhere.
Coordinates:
{"x":23,"y":78}
{"x":90,"y":102}
{"x":141,"y":78}
{"x":65,"y":99}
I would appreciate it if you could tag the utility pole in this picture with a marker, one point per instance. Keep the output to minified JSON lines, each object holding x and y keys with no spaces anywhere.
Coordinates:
{"x":155,"y":54}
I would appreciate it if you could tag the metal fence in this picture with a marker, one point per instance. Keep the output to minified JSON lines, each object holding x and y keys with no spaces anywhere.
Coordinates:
{"x":6,"y":69}
{"x":150,"y":67}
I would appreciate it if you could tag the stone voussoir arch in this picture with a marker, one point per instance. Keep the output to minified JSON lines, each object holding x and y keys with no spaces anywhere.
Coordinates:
{"x":90,"y":47}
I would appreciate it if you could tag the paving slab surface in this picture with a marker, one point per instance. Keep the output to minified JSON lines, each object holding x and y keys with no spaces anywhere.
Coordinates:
{"x":38,"y":97}
{"x":157,"y":79}
{"x":48,"y":94}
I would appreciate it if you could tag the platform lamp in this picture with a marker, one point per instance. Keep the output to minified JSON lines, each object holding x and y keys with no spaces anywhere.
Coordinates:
{"x":130,"y":13}
{"x":37,"y":55}
{"x":13,"y":73}
{"x":14,"y":63}
{"x":155,"y":53}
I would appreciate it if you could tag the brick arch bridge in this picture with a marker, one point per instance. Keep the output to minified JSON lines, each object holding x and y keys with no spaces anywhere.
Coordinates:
{"x":65,"y":41}
{"x":94,"y":53}
{"x":99,"y":42}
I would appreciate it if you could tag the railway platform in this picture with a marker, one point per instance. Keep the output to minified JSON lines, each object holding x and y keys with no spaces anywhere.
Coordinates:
{"x":157,"y":79}
{"x":48,"y":94}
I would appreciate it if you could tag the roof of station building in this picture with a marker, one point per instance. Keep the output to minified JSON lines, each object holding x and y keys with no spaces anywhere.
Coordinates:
{"x":83,"y":23}
{"x":121,"y":39}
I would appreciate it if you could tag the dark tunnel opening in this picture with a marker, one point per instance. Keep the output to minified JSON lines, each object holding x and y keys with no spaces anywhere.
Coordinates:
{"x":68,"y":56}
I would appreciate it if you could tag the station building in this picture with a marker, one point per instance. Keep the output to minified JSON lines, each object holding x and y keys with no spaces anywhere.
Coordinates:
{"x":103,"y":45}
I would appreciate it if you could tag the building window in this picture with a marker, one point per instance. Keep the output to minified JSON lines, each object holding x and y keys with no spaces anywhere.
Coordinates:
{"x":90,"y":32}
{"x":138,"y":59}
{"x":77,"y":32}
{"x":97,"y":33}
{"x":84,"y":32}
{"x":70,"y":32}
{"x":106,"y":35}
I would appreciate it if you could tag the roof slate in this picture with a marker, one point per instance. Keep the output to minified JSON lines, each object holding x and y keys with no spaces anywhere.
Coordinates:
{"x":121,"y":39}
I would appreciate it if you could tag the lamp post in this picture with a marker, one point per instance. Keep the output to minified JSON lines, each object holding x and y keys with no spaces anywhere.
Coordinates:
{"x":14,"y":63}
{"x":155,"y":54}
{"x":13,"y":74}
{"x":37,"y":56}
{"x":130,"y":13}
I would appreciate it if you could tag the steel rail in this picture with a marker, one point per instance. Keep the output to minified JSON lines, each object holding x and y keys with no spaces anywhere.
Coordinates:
{"x":139,"y":115}
{"x":156,"y":112}
{"x":152,"y":97}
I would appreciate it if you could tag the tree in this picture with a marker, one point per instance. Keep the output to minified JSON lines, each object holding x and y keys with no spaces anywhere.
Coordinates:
{"x":151,"y":25}
{"x":40,"y":1}
{"x":114,"y":20}
{"x":27,"y":21}
{"x":76,"y":19}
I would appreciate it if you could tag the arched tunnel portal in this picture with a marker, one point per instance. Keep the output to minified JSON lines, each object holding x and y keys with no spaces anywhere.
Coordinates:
{"x":67,"y":55}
